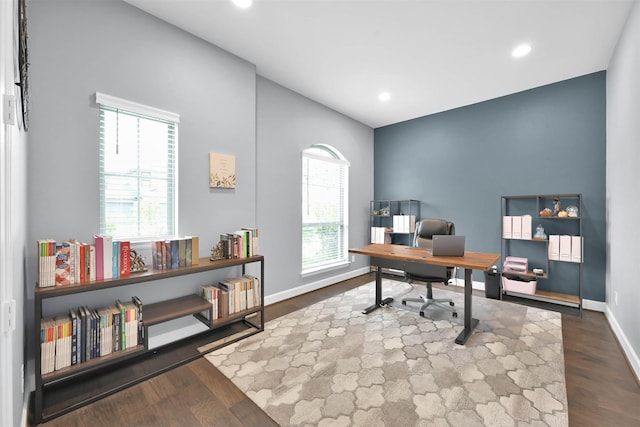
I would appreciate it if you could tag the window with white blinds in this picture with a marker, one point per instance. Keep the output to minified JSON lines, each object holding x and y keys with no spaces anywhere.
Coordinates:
{"x":325,"y":179}
{"x":138,"y":170}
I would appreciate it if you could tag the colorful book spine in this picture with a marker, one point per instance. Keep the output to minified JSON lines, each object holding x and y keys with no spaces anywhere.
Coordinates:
{"x":46,"y":263}
{"x":92,"y":263}
{"x":115,"y":259}
{"x":188,"y":251}
{"x":82,"y":262}
{"x":167,"y":254}
{"x":138,"y":303}
{"x":74,"y":336}
{"x":98,"y":241}
{"x":195,"y":249}
{"x":63,"y":269}
{"x":107,"y":253}
{"x":182,"y":253}
{"x":125,"y":258}
{"x":175,"y":254}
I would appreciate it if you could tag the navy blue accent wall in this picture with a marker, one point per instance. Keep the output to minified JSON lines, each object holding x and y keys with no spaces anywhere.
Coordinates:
{"x":458,"y":163}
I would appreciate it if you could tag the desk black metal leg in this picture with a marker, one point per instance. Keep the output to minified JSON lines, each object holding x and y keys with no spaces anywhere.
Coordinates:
{"x":469,"y":322}
{"x":379,"y":301}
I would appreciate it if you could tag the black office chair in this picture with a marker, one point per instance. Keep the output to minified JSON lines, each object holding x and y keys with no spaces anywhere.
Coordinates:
{"x":425,"y":230}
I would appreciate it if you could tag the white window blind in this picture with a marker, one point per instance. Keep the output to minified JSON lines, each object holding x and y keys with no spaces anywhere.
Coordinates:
{"x":138,"y":170}
{"x":324,"y":209}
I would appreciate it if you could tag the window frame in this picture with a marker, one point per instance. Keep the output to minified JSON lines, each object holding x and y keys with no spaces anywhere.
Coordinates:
{"x":120,"y":105}
{"x":332,"y":156}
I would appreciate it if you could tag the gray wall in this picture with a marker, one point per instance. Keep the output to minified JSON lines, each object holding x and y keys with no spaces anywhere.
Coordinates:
{"x":287,"y":124}
{"x":548,"y":140}
{"x":77,"y":50}
{"x":623,"y":197}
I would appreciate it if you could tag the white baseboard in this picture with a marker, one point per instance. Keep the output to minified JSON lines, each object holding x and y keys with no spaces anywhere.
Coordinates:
{"x":290,"y":293}
{"x":600,"y":306}
{"x":474,"y":285}
{"x":632,"y":356}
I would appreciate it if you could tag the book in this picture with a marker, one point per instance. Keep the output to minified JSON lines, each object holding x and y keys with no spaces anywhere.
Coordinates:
{"x":125,"y":258}
{"x":107,"y":252}
{"x":116,"y":259}
{"x":175,"y":256}
{"x":228,"y":289}
{"x":46,"y":263}
{"x":138,"y":303}
{"x":74,"y":336}
{"x":62,"y":323}
{"x":195,"y":249}
{"x":81,"y":336}
{"x":82,"y":271}
{"x":166,"y":250}
{"x":156,"y":255}
{"x":85,"y":332}
{"x":256,"y":291}
{"x":98,"y":242}
{"x":182,"y":252}
{"x":63,"y":269}
{"x":223,"y":303}
{"x":92,"y":263}
{"x":254,"y":240}
{"x":106,"y":330}
{"x":116,"y":332}
{"x":48,"y":336}
{"x":225,"y":239}
{"x":209,"y":293}
{"x":95,"y":353}
{"x":72,"y":261}
{"x":188,"y":253}
{"x":131,"y":324}
{"x":123,"y":319}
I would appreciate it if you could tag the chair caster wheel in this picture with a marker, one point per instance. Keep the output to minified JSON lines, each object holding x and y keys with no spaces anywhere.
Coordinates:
{"x":404,"y":303}
{"x":455,"y":314}
{"x":422,"y":314}
{"x":451,"y":303}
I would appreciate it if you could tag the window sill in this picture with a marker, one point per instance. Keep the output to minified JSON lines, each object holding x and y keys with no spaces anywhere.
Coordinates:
{"x":324,"y":268}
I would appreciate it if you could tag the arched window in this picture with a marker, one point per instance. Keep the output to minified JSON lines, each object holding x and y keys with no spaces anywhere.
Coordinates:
{"x":325,"y":201}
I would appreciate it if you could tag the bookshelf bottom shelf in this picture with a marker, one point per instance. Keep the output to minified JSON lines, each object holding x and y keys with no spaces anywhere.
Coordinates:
{"x":550,"y":297}
{"x":59,"y":399}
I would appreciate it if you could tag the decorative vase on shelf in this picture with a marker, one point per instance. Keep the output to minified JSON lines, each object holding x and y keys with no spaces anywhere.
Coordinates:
{"x":540,"y":234}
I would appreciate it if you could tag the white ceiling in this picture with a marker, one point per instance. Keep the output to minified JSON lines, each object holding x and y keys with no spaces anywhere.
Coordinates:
{"x":430,"y":55}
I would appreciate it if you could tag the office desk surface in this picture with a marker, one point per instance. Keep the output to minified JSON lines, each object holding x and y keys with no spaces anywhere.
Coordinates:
{"x":472,"y":260}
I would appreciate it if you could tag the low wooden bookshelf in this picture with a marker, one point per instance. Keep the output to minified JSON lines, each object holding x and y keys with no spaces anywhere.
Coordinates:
{"x":64,"y":390}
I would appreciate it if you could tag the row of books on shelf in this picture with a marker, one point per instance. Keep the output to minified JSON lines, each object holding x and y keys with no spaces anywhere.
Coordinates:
{"x":74,"y":262}
{"x":83,"y":334}
{"x":175,"y":253}
{"x":232,"y":295}
{"x":243,"y":243}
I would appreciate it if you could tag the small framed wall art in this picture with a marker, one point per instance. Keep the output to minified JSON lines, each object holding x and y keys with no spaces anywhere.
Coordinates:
{"x":222,"y":170}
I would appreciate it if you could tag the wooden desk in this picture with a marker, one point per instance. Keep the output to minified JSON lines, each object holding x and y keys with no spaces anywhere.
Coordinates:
{"x":387,"y":255}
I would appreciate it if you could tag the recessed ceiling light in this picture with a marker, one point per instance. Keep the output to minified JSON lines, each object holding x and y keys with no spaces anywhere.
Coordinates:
{"x":243,"y":3}
{"x":520,"y":51}
{"x":384,"y":96}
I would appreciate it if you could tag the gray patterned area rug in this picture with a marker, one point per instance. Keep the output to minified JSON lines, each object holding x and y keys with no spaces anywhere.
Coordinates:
{"x":330,"y":365}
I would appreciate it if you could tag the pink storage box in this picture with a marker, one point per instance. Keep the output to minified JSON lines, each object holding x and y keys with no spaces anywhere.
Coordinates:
{"x":512,"y":263}
{"x":519,"y":286}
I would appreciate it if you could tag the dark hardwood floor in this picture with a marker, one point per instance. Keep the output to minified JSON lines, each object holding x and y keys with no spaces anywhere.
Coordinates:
{"x":601,"y":387}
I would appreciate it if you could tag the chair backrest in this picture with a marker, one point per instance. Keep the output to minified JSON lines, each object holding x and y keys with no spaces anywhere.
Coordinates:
{"x":422,"y":238}
{"x":427,"y":228}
